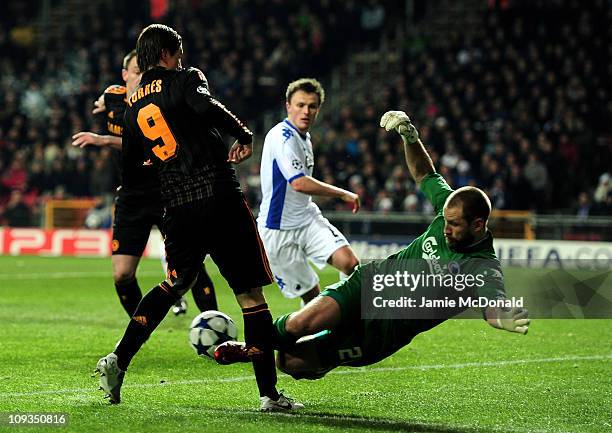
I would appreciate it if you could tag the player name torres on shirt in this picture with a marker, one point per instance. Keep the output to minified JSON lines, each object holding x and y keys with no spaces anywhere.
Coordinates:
{"x":287,"y":155}
{"x":174,"y":115}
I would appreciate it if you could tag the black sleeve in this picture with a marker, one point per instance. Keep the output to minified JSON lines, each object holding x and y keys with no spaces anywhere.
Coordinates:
{"x":131,"y":146}
{"x":114,"y":100}
{"x":198,"y":97}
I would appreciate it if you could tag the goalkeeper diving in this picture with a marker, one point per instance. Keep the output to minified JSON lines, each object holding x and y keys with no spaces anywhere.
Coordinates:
{"x":331,"y":330}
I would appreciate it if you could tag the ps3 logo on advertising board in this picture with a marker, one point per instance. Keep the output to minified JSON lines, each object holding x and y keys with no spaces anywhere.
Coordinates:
{"x":17,"y":241}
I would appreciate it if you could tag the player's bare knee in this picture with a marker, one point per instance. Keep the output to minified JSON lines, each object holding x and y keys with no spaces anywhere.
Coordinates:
{"x":352,"y":263}
{"x":124,"y":268}
{"x":122,"y":275}
{"x":349,"y":263}
{"x":251,"y":298}
{"x":344,"y":260}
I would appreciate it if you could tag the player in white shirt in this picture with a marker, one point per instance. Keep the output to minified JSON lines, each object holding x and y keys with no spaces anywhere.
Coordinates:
{"x":291,"y":226}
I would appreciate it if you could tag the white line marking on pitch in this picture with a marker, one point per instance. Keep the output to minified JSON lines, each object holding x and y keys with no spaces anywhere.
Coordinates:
{"x":358,"y":370}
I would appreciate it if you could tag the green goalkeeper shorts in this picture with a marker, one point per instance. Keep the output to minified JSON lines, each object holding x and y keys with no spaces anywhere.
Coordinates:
{"x":357,"y":342}
{"x":347,"y":293}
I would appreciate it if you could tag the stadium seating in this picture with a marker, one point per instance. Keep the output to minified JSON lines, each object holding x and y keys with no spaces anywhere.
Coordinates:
{"x":512,"y":105}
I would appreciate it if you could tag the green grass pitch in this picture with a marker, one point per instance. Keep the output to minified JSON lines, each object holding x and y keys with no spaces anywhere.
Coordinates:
{"x":59,"y":315}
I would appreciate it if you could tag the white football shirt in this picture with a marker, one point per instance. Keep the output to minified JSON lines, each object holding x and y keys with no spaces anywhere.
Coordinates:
{"x":287,"y":155}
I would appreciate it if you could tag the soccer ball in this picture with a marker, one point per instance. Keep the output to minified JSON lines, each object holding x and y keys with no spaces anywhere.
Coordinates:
{"x":209,"y":329}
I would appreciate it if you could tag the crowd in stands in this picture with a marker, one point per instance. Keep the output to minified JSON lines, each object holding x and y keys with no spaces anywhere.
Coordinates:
{"x":519,"y":108}
{"x":248,"y":50}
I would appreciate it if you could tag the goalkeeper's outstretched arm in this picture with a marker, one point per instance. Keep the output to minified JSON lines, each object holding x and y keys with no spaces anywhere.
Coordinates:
{"x":418,"y":160}
{"x":512,"y":320}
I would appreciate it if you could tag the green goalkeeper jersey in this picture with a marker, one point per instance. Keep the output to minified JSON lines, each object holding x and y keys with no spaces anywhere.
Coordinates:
{"x":431,"y":246}
{"x":361,"y":339}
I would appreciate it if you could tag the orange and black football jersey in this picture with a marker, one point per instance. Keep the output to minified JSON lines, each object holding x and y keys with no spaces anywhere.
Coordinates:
{"x":179,"y":123}
{"x":115,"y":102}
{"x":138,"y":178}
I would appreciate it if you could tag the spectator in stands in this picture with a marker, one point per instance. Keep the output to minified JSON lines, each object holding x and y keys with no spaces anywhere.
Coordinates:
{"x":602,"y":192}
{"x":518,"y":190}
{"x":17,"y":213}
{"x":101,"y":180}
{"x":383,"y":203}
{"x":536,"y":174}
{"x":36,"y":177}
{"x":583,"y":207}
{"x":411,"y":203}
{"x":79,"y":186}
{"x":16,"y":176}
{"x":604,"y":208}
{"x":497,"y":194}
{"x":372,"y":22}
{"x":529,"y":81}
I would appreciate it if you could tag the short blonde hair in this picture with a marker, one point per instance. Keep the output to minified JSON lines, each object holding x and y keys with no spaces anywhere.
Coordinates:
{"x":128,"y":58}
{"x":308,"y":85}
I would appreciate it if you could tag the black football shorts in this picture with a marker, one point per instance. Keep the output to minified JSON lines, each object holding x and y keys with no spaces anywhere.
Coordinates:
{"x":224,"y":227}
{"x":132,"y":224}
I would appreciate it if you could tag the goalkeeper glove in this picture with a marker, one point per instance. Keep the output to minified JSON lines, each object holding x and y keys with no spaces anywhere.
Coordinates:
{"x":400,"y":122}
{"x":512,"y":320}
